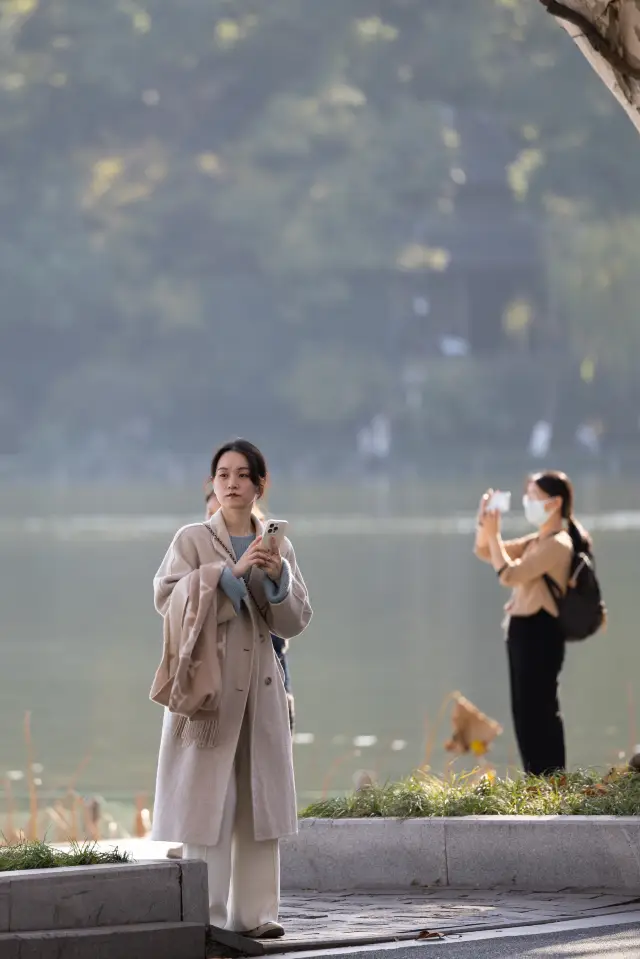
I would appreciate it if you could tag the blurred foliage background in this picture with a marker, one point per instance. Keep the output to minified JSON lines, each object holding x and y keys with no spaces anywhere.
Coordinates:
{"x":283,"y":219}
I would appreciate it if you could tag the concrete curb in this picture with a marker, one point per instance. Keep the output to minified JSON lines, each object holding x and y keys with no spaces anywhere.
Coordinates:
{"x":112,"y":909}
{"x":528,"y":853}
{"x":166,"y":940}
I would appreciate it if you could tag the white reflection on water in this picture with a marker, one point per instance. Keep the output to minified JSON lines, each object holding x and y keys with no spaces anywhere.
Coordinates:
{"x":130,"y":527}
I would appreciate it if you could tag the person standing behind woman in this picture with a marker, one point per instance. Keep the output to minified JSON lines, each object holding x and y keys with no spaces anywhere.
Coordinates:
{"x":225,"y":783}
{"x":280,"y":645}
{"x":535,"y":640}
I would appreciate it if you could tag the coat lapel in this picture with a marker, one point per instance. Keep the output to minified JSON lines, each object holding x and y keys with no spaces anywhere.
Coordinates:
{"x":222,"y":544}
{"x":221,"y":540}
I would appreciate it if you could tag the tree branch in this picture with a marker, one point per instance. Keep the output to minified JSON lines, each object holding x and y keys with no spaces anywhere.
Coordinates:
{"x":597,"y":41}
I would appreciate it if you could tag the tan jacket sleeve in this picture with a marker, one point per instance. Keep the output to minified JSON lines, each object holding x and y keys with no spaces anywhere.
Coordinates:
{"x":514,"y":548}
{"x":534,"y":563}
{"x":291,"y":617}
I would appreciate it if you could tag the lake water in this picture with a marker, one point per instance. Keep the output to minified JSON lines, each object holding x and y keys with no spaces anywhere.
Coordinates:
{"x":404,"y":614}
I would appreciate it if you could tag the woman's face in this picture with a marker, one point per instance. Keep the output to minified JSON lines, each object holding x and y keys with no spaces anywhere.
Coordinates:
{"x":232,"y":484}
{"x":552,"y":503}
{"x":212,"y":506}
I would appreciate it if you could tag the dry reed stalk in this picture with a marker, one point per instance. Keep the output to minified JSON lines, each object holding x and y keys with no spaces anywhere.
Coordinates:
{"x":91,"y":814}
{"x":449,"y":770}
{"x":10,"y":832}
{"x":73,"y":817}
{"x":96,"y":818}
{"x":333,"y":769}
{"x":57,"y":815}
{"x":86,"y":822}
{"x":631,"y":713}
{"x":431,"y":738}
{"x":71,"y":785}
{"x":32,"y":826}
{"x":142,"y":823}
{"x":73,"y":799}
{"x":64,"y":820}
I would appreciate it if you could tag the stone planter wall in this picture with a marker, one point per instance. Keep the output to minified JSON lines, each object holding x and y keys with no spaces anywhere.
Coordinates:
{"x":158,"y":909}
{"x":530,"y":853}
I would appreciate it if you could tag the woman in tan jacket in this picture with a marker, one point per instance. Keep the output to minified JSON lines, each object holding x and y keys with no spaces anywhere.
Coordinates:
{"x":225,"y":785}
{"x":535,"y":642}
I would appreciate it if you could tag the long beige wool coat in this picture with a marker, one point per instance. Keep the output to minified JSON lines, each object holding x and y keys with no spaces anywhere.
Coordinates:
{"x":192,"y":781}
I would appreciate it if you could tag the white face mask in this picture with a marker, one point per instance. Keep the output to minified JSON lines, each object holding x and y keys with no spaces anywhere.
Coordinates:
{"x":535,"y":511}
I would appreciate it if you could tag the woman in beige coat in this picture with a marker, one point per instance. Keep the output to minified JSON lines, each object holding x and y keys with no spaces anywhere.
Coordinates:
{"x":280,"y":645}
{"x":225,"y":785}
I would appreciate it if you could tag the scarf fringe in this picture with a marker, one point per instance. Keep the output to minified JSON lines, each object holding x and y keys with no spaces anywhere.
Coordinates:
{"x":201,"y":734}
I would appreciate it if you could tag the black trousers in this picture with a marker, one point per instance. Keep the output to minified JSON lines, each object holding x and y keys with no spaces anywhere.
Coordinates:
{"x":536,"y":650}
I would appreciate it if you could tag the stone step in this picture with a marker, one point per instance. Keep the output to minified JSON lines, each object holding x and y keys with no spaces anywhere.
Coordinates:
{"x":162,"y":940}
{"x":84,"y":897}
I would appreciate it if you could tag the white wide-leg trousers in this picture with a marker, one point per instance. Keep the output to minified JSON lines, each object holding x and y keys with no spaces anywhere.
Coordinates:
{"x":244,"y":874}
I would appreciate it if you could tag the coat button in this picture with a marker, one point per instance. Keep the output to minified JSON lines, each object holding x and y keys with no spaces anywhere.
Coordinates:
{"x":268,"y":681}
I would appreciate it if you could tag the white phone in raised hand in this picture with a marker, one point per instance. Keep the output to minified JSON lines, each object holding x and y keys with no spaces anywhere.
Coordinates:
{"x":275,"y":531}
{"x":500,"y":502}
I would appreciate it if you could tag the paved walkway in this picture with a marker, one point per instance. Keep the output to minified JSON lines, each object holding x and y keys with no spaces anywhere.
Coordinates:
{"x":325,"y":920}
{"x":316,"y":920}
{"x":547,"y":942}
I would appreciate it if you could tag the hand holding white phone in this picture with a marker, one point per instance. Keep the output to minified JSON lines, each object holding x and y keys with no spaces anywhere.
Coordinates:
{"x":275,"y":531}
{"x":499,"y":502}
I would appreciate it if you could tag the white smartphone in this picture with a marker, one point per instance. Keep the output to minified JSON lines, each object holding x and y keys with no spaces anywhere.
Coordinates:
{"x":499,"y":501}
{"x":275,"y":531}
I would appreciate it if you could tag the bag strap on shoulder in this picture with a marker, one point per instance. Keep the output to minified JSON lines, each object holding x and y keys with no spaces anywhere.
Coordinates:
{"x":554,"y":589}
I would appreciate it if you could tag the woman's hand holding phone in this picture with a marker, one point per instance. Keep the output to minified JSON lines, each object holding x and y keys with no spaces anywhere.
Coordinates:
{"x":256,"y":555}
{"x":493,"y":504}
{"x":481,"y":533}
{"x":272,"y":565}
{"x":484,"y":502}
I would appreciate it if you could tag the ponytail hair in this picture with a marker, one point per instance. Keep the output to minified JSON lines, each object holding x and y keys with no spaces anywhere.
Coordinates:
{"x":208,"y":490}
{"x":582,"y":542}
{"x":555,"y":483}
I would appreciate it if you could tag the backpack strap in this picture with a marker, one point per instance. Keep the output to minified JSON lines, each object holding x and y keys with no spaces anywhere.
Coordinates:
{"x":554,"y":589}
{"x":552,"y":585}
{"x":583,"y":560}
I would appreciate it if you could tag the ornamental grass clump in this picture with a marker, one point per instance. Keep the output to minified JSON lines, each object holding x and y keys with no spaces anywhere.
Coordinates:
{"x":581,"y":793}
{"x":35,"y":854}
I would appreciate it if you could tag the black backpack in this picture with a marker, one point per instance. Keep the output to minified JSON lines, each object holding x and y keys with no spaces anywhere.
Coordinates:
{"x":581,"y":611}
